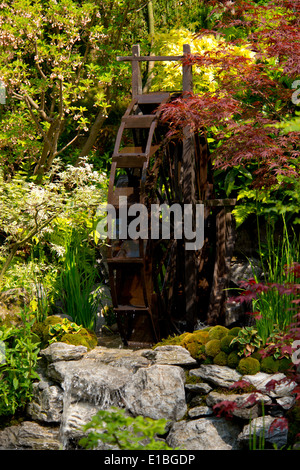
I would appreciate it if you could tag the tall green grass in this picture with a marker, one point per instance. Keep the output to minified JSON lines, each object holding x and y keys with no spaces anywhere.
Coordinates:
{"x":77,"y":281}
{"x":276,"y":308}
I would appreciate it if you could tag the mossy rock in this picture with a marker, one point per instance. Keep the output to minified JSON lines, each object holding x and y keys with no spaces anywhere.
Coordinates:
{"x":217,"y":332}
{"x":269,"y":365}
{"x":234,"y":331}
{"x":257,"y":356}
{"x":201,"y":336}
{"x":84,"y":338}
{"x":284,"y":364}
{"x":41,"y":329}
{"x":226,"y":344}
{"x":213,"y":347}
{"x":221,"y":359}
{"x":233,"y":360}
{"x":248,"y":366}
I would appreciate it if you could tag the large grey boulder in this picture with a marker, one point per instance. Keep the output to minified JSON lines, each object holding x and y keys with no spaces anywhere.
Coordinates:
{"x":84,"y":380}
{"x":217,"y":375}
{"x":272,"y":431}
{"x":30,"y":436}
{"x":63,"y":352}
{"x":247,"y":405}
{"x":275,"y":385}
{"x":171,"y":355}
{"x":204,"y":434}
{"x":157,"y":392}
{"x":47,"y":402}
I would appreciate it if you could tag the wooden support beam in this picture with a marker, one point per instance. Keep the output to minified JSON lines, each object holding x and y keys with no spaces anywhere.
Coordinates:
{"x":152,"y":58}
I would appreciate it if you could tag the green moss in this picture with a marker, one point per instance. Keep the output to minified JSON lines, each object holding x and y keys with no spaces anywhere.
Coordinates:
{"x":225,"y":344}
{"x":269,"y":365}
{"x":248,"y":366}
{"x":83,"y":337}
{"x":234,"y":331}
{"x":76,"y":340}
{"x":233,"y":359}
{"x":284,"y":364}
{"x":213,"y":347}
{"x":217,"y":332}
{"x":257,"y":355}
{"x":221,"y":359}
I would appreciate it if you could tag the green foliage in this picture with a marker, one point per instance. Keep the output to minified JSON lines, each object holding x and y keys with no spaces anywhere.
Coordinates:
{"x":277,"y":309}
{"x":28,"y":211}
{"x":77,"y":280}
{"x":248,"y":366}
{"x":113,"y":427}
{"x":18,"y":367}
{"x":248,"y":339}
{"x":58,"y":330}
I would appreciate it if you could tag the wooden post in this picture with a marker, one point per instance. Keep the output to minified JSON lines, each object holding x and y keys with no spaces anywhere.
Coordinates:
{"x":189,"y":197}
{"x":187,"y":73}
{"x":136,"y":72}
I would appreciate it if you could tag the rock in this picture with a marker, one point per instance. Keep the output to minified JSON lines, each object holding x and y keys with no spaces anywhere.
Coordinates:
{"x":286,"y":402}
{"x":273,"y":430}
{"x":90,"y":381}
{"x":63,"y":352}
{"x":157,"y":392}
{"x":75,"y":417}
{"x":47,"y":402}
{"x":198,"y":411}
{"x":246,"y":404}
{"x":201,"y":388}
{"x":221,"y":376}
{"x":170,"y":355}
{"x":266,"y":383}
{"x":127,"y":358}
{"x":30,"y":436}
{"x":204,"y":434}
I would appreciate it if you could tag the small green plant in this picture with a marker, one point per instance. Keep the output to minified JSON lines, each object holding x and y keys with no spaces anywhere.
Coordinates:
{"x":113,"y":427}
{"x":58,"y":330}
{"x":249,"y":340}
{"x":18,"y":367}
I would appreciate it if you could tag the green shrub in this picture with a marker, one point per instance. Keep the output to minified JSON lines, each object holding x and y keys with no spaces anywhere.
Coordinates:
{"x":213,"y":347}
{"x":18,"y":366}
{"x":217,"y":332}
{"x":248,"y":366}
{"x":113,"y":427}
{"x":55,"y":329}
{"x":221,"y":359}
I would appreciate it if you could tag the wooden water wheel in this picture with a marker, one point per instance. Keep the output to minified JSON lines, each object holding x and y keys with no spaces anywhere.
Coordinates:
{"x":159,"y":287}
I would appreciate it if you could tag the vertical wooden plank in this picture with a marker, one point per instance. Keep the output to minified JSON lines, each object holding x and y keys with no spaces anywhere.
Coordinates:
{"x":189,"y":197}
{"x":136,"y":72}
{"x":187,"y":74}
